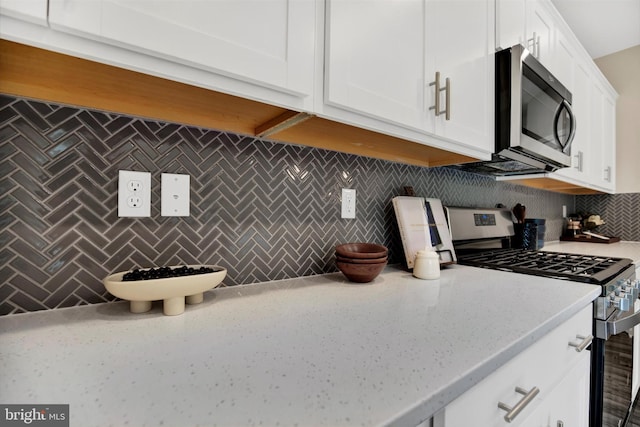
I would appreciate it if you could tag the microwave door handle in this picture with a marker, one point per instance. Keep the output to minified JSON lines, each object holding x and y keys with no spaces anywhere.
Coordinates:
{"x":572,"y":126}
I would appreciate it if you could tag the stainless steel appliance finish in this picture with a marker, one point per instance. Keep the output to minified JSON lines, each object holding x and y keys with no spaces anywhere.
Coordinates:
{"x":481,"y":238}
{"x":535,"y":124}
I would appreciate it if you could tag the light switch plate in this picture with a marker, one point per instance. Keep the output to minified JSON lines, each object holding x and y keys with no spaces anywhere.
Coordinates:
{"x":134,"y":194}
{"x":174,"y":195}
{"x":348,"y":203}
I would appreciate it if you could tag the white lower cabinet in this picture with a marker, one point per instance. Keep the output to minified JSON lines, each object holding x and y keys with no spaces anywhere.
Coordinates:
{"x":565,"y":404}
{"x":550,"y":380}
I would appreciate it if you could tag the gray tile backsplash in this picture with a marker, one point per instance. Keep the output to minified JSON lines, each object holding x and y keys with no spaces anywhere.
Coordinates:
{"x":619,"y":212}
{"x":264,"y":210}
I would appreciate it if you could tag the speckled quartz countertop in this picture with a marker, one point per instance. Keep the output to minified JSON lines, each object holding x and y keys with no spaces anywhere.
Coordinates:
{"x":316,"y":351}
{"x":629,"y":250}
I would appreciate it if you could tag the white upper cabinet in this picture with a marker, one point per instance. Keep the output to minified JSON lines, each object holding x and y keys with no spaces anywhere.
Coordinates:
{"x":539,"y":30}
{"x":375,"y":59}
{"x":34,"y":11}
{"x":581,"y":162}
{"x":268,"y":43}
{"x":510,"y":19}
{"x":603,"y":132}
{"x":538,"y":26}
{"x":381,"y":61}
{"x":460,"y":49}
{"x":526,"y":22}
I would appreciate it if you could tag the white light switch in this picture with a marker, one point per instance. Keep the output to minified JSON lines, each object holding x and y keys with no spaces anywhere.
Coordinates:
{"x":174,"y":195}
{"x":134,"y":194}
{"x":348,"y":203}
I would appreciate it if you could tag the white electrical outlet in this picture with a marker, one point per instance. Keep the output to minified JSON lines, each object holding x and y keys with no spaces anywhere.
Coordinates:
{"x":174,"y":195}
{"x":348,"y":203}
{"x":564,"y":211}
{"x":134,"y":194}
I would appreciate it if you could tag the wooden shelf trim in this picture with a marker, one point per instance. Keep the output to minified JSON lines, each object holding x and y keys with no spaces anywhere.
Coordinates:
{"x":53,"y":77}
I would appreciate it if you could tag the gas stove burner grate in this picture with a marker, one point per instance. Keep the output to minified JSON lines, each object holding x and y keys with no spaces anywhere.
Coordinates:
{"x":579,"y":268}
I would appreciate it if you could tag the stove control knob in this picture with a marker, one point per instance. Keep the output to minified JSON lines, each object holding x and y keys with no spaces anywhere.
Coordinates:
{"x":633,"y":286}
{"x":630,"y":294}
{"x":621,"y":303}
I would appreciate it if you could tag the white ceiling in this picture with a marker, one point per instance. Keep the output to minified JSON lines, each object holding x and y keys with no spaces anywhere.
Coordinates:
{"x":603,"y":26}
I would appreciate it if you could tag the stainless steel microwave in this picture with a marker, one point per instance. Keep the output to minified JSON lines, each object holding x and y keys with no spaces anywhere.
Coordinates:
{"x":534,"y":121}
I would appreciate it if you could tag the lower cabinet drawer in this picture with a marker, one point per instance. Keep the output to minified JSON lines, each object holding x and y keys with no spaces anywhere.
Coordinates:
{"x":509,"y":395}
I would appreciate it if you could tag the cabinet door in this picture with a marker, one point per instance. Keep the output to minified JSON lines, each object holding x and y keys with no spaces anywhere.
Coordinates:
{"x":567,"y":405}
{"x":539,"y":30}
{"x":609,"y":143}
{"x":509,"y":23}
{"x":375,"y":59}
{"x":270,"y":43}
{"x":603,"y":137}
{"x":27,"y":10}
{"x":543,"y":365}
{"x":460,"y":47}
{"x":582,"y":154}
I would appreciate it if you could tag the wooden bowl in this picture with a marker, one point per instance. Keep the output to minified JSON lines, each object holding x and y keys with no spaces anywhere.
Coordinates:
{"x":362,"y":260}
{"x":360,"y":273}
{"x":361,"y":250}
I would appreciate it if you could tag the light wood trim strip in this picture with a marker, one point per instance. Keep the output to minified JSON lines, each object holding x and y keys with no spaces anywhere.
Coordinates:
{"x":49,"y":76}
{"x":280,"y":123}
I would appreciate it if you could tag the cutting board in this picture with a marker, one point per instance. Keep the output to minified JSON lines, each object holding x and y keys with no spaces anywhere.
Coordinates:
{"x":412,"y":214}
{"x":588,"y":239}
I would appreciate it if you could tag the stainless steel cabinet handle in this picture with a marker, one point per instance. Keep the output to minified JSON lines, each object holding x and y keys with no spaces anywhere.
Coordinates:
{"x":607,"y":172}
{"x":438,"y":89}
{"x":580,"y":157}
{"x":436,"y":83}
{"x":582,"y":345}
{"x":534,"y":42}
{"x":512,"y":413}
{"x":447,"y":107}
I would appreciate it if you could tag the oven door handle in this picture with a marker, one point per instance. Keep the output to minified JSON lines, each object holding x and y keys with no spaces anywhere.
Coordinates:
{"x":606,"y":328}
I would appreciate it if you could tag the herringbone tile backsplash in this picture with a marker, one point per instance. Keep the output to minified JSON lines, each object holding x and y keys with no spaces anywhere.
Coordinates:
{"x":263,"y":210}
{"x":619,"y":212}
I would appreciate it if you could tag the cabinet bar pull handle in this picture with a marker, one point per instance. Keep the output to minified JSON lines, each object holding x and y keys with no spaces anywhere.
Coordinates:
{"x":531,"y":44}
{"x":607,"y":172}
{"x":447,"y":92}
{"x":582,"y":345}
{"x":580,"y":157}
{"x":512,"y":413}
{"x":436,"y":83}
{"x":447,"y":105}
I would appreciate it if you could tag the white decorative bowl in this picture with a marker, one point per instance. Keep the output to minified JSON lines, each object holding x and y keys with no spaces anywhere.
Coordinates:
{"x":172,"y":290}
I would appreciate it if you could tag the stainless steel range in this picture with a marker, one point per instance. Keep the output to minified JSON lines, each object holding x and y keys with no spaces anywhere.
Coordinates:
{"x":482,"y":238}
